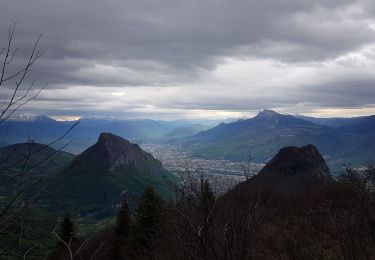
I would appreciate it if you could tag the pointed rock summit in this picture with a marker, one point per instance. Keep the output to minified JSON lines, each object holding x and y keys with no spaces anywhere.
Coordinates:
{"x":294,"y":169}
{"x":97,"y":178}
{"x":120,"y":152}
{"x":112,"y":151}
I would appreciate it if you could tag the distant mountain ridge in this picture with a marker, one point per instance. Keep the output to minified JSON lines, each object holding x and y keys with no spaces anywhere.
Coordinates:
{"x":341,"y":140}
{"x":269,"y":131}
{"x":43,"y":129}
{"x":30,"y":118}
{"x":265,"y":120}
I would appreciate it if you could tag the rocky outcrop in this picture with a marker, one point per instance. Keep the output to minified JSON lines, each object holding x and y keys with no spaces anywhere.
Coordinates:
{"x":112,"y":151}
{"x":293,"y":169}
{"x":108,"y":172}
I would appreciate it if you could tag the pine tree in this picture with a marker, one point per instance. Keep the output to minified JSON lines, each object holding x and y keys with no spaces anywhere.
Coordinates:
{"x":66,"y":232}
{"x":148,"y":218}
{"x":123,"y":220}
{"x":206,"y":201}
{"x":122,"y":231}
{"x":206,"y":197}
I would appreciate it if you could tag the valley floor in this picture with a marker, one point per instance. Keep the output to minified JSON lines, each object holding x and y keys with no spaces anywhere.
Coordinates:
{"x":219,"y":171}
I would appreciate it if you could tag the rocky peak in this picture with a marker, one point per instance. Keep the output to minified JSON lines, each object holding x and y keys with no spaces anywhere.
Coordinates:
{"x":266,"y":113}
{"x":294,"y":169}
{"x":110,"y":140}
{"x":113,"y":151}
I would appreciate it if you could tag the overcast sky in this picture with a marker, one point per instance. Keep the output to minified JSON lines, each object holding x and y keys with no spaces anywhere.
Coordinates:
{"x":197,"y":58}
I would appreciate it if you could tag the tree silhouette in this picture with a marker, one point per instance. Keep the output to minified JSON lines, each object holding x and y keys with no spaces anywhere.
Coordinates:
{"x":148,"y":218}
{"x":16,"y":90}
{"x":123,"y":231}
{"x":67,"y":232}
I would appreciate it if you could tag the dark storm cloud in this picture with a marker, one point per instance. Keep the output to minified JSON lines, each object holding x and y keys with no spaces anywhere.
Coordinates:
{"x":180,"y":43}
{"x":349,"y":93}
{"x":178,"y":38}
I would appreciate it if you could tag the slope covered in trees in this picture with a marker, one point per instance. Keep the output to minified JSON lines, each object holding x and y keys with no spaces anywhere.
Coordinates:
{"x":95,"y":181}
{"x":255,"y":221}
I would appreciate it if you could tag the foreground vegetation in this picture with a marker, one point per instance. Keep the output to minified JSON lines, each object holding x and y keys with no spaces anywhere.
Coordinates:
{"x":335,"y":223}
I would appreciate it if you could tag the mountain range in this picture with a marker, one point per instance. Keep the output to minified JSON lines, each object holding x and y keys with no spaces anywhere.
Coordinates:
{"x":341,"y":141}
{"x":43,"y":129}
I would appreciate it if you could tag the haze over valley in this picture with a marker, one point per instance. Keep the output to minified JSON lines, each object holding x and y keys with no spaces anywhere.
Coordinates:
{"x":216,"y":144}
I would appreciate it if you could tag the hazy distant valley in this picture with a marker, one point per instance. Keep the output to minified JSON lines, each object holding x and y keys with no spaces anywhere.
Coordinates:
{"x":223,"y":173}
{"x":216,"y":145}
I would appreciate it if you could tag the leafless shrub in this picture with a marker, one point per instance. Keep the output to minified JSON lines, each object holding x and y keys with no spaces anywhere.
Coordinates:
{"x":25,"y":176}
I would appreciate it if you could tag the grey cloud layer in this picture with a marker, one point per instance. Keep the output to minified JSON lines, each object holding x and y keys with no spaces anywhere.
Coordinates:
{"x":176,"y":42}
{"x":179,"y":37}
